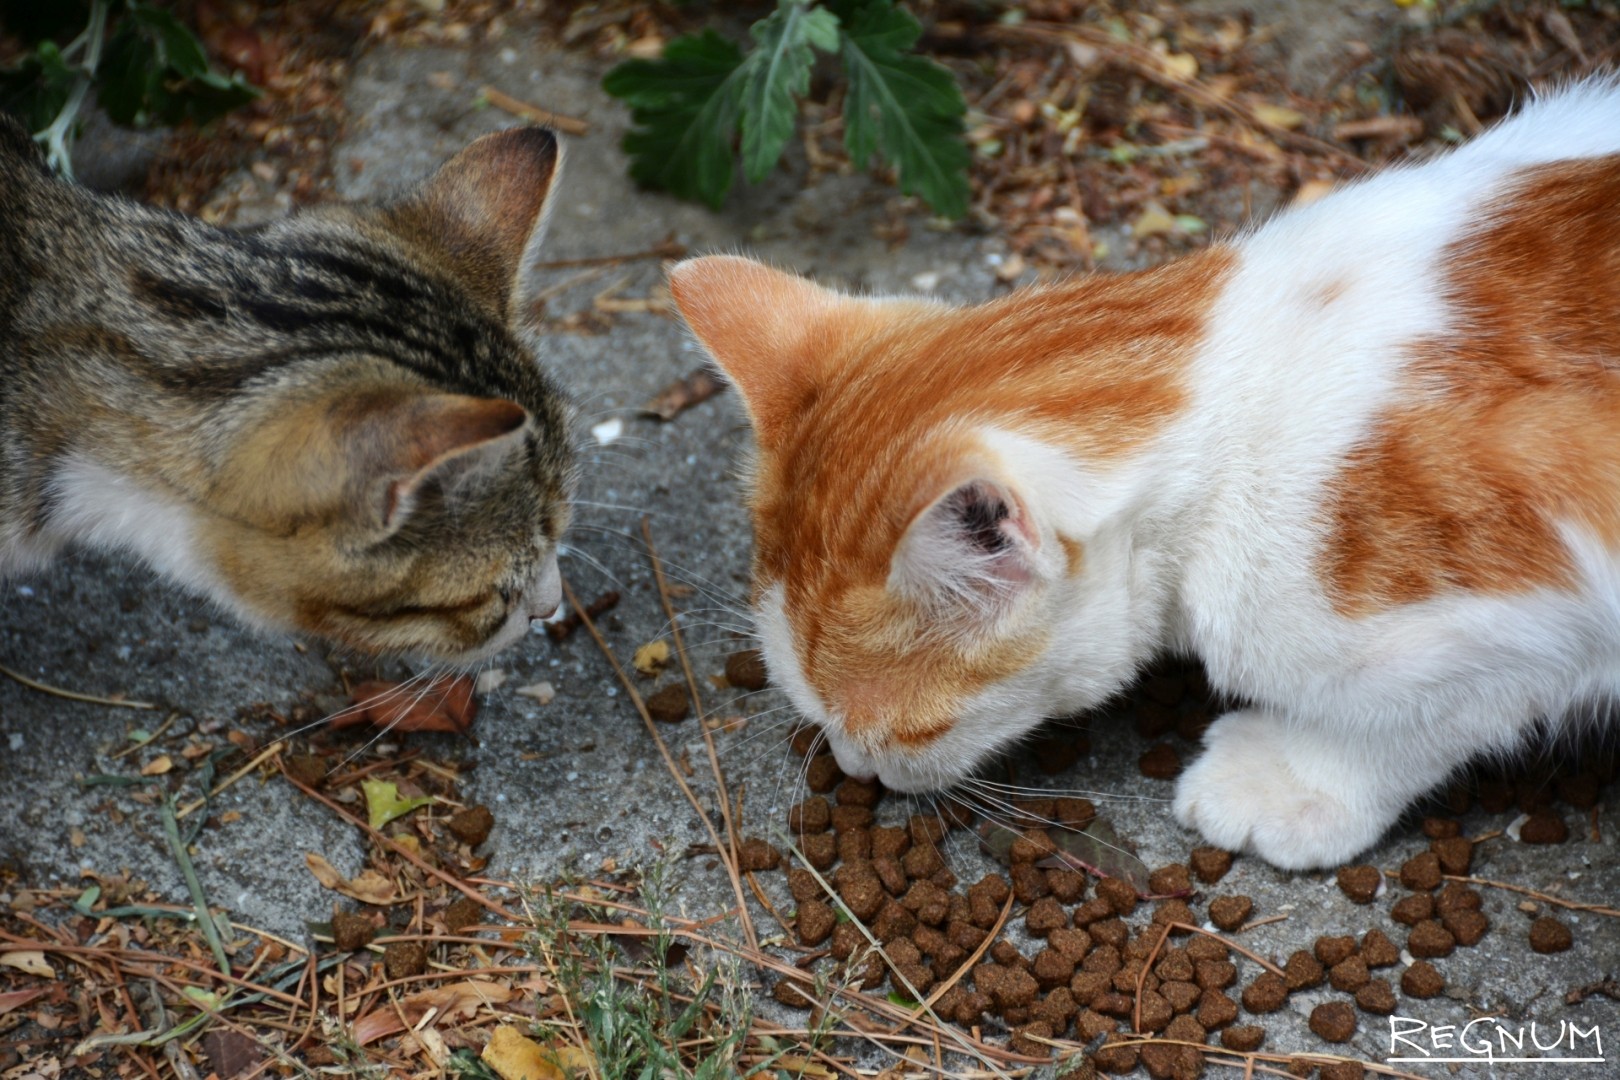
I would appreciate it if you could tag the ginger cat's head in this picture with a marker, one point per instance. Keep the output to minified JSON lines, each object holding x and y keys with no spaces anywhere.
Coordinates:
{"x":938,"y":495}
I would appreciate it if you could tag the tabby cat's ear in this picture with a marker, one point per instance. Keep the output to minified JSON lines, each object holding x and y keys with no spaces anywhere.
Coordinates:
{"x":484,"y":211}
{"x":972,"y":551}
{"x":768,"y":330}
{"x":399,"y":445}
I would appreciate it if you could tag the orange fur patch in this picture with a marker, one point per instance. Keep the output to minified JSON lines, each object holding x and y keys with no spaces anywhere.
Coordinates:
{"x":1514,"y":420}
{"x":1095,"y":366}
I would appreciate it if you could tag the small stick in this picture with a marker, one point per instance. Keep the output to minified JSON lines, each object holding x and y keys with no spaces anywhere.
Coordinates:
{"x":268,"y":752}
{"x":148,"y":741}
{"x":663,"y":750}
{"x":668,"y":248}
{"x":1267,"y":921}
{"x":708,"y":736}
{"x":1595,"y":909}
{"x":568,"y":125}
{"x":72,"y":695}
{"x":1141,"y":977}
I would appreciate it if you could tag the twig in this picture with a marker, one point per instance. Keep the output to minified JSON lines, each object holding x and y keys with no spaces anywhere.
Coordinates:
{"x":663,"y":750}
{"x":668,"y":248}
{"x":1595,"y":909}
{"x":270,"y":751}
{"x":568,"y":125}
{"x":148,"y":741}
{"x":171,"y":830}
{"x":720,"y":788}
{"x":72,"y":695}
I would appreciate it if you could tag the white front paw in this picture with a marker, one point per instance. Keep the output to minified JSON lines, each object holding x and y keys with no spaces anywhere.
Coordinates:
{"x":1246,"y":792}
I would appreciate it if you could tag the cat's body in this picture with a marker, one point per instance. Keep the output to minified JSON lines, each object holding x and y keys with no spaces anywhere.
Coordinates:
{"x":328,"y":424}
{"x":1364,"y":463}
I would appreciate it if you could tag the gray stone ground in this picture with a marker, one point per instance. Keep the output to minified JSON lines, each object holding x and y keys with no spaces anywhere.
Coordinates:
{"x":577,"y":781}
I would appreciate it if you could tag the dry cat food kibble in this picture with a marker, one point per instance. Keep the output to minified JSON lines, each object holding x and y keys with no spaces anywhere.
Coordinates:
{"x":1456,"y":854}
{"x":1160,"y":762}
{"x":1429,"y":939}
{"x":1548,"y":935}
{"x":352,"y":931}
{"x":1245,"y":1039}
{"x":755,"y":854}
{"x":1377,"y":950}
{"x":471,"y":826}
{"x":1413,"y":909}
{"x":1334,"y":1021}
{"x":1422,"y":980}
{"x":1376,"y":997}
{"x":1230,"y":912}
{"x":746,"y":670}
{"x":403,"y":959}
{"x":1303,"y":971}
{"x":669,"y":705}
{"x":1266,"y":994}
{"x":1466,"y":925}
{"x":1210,"y":864}
{"x":1544,"y":827}
{"x":1333,"y":950}
{"x":1360,"y":883}
{"x":1421,"y":872}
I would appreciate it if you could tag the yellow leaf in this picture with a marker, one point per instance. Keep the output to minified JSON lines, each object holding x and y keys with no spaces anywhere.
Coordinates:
{"x":652,"y":657}
{"x":384,"y":804}
{"x":324,"y":872}
{"x":158,"y":765}
{"x":800,"y":1066}
{"x":1183,"y":66}
{"x":1152,"y":221}
{"x":28,"y":961}
{"x":1279,"y":116}
{"x":515,"y":1056}
{"x":368,"y":887}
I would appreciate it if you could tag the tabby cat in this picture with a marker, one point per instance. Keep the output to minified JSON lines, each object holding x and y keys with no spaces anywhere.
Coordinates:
{"x":329,"y":424}
{"x":1364,"y":462}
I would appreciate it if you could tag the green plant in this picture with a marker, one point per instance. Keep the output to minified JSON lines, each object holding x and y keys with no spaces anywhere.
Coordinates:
{"x":143,"y":64}
{"x":704,"y":94}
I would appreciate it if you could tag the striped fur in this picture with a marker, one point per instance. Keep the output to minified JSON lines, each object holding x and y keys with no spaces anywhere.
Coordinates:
{"x":329,"y":424}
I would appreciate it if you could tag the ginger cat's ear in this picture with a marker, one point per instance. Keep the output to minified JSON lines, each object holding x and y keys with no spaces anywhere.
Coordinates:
{"x":484,"y":211}
{"x":971,"y":552}
{"x":765,"y":328}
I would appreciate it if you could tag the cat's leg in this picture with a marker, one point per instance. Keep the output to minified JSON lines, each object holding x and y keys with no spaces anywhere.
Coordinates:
{"x":1300,"y":796}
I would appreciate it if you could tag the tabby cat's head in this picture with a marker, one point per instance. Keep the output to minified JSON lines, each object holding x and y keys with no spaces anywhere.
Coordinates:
{"x":937,"y":564}
{"x":331,"y":424}
{"x":413,"y":498}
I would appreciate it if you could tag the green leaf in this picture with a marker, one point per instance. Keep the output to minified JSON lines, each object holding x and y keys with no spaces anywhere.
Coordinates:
{"x":776,"y":74}
{"x":154,"y":71}
{"x":37,"y":89}
{"x":383,"y":803}
{"x":897,"y":998}
{"x":684,"y":106}
{"x":905,"y":106}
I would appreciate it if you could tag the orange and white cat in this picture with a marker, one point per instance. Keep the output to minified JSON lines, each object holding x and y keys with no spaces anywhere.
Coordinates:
{"x":1364,"y":462}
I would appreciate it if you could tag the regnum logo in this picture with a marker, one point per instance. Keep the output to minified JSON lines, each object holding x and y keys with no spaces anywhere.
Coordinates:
{"x":1494,"y":1040}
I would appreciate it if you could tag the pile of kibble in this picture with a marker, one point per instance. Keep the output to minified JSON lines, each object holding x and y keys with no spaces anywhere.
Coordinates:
{"x":1082,"y":982}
